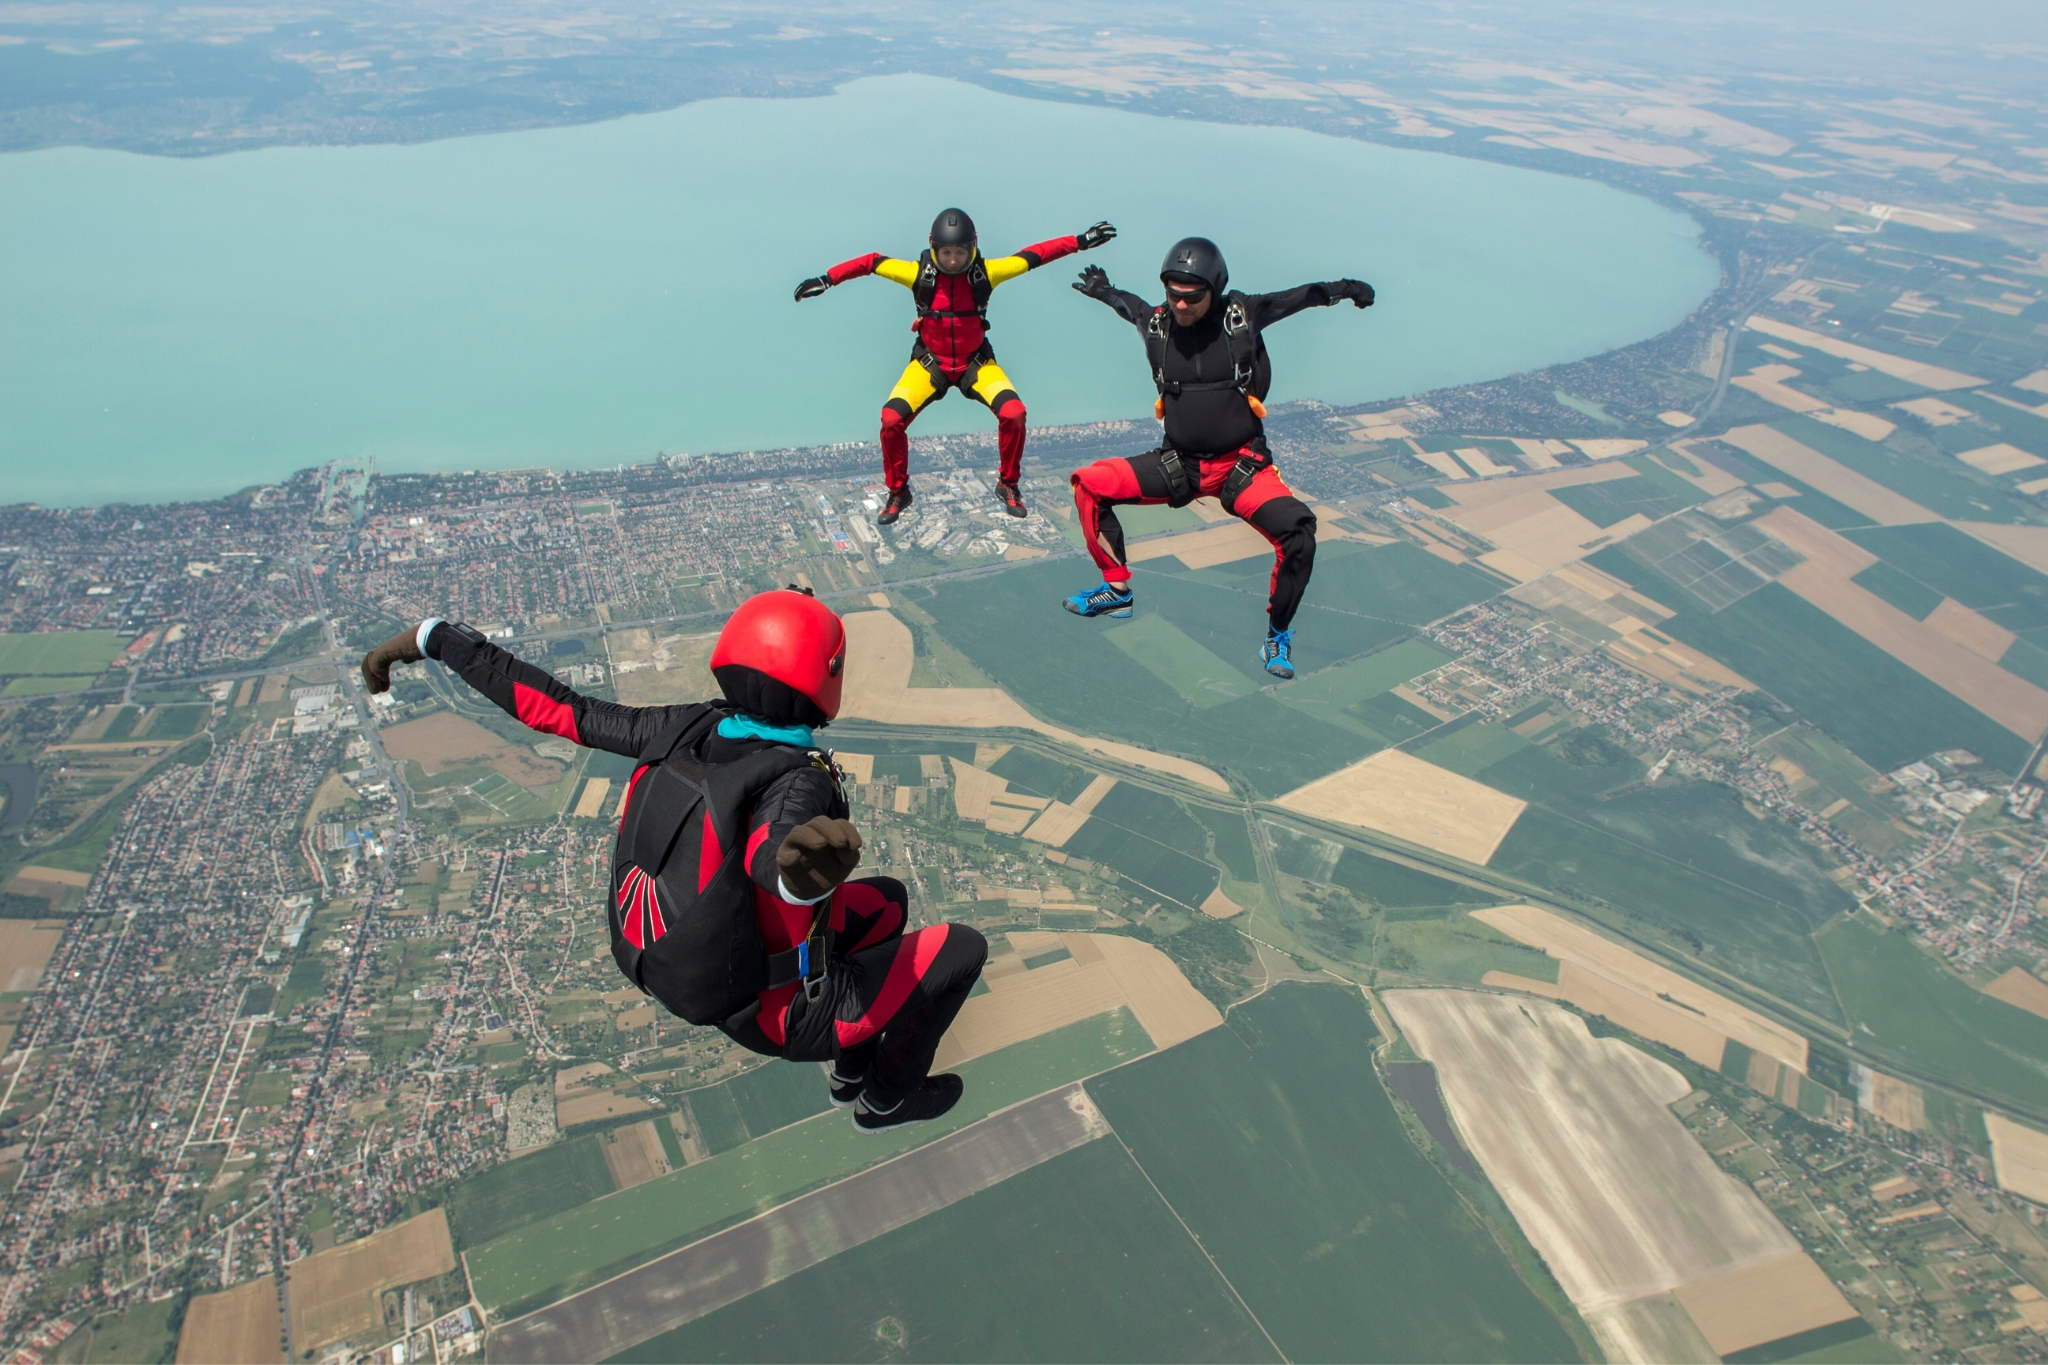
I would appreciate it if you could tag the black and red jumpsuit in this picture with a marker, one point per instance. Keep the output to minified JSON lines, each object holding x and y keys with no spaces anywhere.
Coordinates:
{"x":893,"y":994}
{"x":1214,"y":426}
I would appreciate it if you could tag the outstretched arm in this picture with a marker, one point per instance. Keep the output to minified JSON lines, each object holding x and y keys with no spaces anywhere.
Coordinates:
{"x":1094,"y":282}
{"x":532,"y":696}
{"x":874,"y":263}
{"x":1052,"y":249}
{"x":1267,"y":309}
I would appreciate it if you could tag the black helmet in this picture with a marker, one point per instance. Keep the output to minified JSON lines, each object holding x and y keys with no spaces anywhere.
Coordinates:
{"x":953,"y":228}
{"x":1196,"y":260}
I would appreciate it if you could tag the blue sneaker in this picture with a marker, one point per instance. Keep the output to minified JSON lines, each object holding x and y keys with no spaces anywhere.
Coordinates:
{"x":1107,"y":600}
{"x":1277,"y":654}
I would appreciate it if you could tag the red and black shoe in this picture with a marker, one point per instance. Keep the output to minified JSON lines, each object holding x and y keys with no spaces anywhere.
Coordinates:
{"x":899,"y":498}
{"x":1012,"y":499}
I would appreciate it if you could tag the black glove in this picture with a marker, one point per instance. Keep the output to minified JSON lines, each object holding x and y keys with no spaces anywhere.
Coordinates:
{"x":402,"y":648}
{"x":1094,"y":282}
{"x":812,"y":287}
{"x":817,"y":855}
{"x":1358,"y":291}
{"x":1095,"y":236}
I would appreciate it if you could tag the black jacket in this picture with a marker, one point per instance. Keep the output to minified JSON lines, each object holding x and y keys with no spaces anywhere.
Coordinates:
{"x":1217,"y":421}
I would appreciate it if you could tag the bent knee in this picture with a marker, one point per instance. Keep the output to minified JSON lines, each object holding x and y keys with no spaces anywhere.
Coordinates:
{"x":968,"y":942}
{"x":1106,"y":479}
{"x":892,"y":420}
{"x":1011,"y":411}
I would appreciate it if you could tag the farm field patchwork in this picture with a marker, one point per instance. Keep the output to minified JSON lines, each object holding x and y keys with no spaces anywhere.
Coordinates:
{"x":1275,"y":1142}
{"x":1884,"y":712}
{"x":1397,"y":794}
{"x":333,"y":1293}
{"x":535,"y":1186}
{"x":568,"y":1251}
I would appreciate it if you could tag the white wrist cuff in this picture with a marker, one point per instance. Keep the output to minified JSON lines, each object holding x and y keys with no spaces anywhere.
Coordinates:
{"x":420,"y":637}
{"x":782,"y":887}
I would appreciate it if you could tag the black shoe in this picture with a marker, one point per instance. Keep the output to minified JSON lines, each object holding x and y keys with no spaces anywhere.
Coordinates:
{"x":844,"y":1091}
{"x":899,"y":498}
{"x":1012,"y":499}
{"x":937,"y":1095}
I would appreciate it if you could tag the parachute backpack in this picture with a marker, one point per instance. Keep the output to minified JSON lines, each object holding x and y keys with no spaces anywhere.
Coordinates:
{"x":682,"y":903}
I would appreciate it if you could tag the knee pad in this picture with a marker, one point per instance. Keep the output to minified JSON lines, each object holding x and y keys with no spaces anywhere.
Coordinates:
{"x":1012,"y":411}
{"x":892,"y":419}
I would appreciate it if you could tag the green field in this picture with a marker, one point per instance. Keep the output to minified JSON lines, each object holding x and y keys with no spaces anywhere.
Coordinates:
{"x":1153,"y":814}
{"x":1942,"y":560}
{"x":1154,"y":866}
{"x":141,"y":1333}
{"x":59,"y":653}
{"x":43,"y":686}
{"x":1399,"y":582}
{"x":779,"y":1094}
{"x":1902,"y":1002}
{"x":1883,"y":711}
{"x":1458,"y":948}
{"x":537,"y":1185}
{"x":1569,"y":772}
{"x":1654,"y":492}
{"x":568,"y":1251}
{"x":1901,"y":589}
{"x":1390,"y":885}
{"x":1088,"y":1264}
{"x":1165,"y":651}
{"x":1275,"y":1142}
{"x":1231,"y":842}
{"x":1033,"y":772}
{"x":1336,"y":695}
{"x":1641,"y":889}
{"x":719,"y":1124}
{"x":1469,"y":749}
{"x":1940,"y":485}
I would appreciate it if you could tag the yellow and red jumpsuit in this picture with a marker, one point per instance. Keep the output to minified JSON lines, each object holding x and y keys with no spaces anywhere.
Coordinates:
{"x":952,"y":352}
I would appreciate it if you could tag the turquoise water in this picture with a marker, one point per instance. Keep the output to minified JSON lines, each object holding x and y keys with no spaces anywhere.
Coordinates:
{"x":596,"y":294}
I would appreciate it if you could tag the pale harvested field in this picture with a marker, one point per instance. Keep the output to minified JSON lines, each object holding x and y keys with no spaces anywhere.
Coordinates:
{"x":1868,"y":425}
{"x":973,"y":788}
{"x":1768,"y":383}
{"x":879,"y":652}
{"x":1569,"y":942}
{"x":1508,"y":981}
{"x":1641,"y":1014}
{"x":25,"y":948}
{"x":1106,"y":971}
{"x":1934,"y":412}
{"x":601,"y":1104}
{"x":1824,"y":580}
{"x":570,"y":1079}
{"x":1220,"y":543}
{"x":1004,"y":819}
{"x":1610,"y":448}
{"x":2027,"y":544}
{"x":333,"y":1293}
{"x":1650,"y":1331}
{"x":676,"y":668}
{"x":1711,"y":479}
{"x":60,"y":875}
{"x":2022,"y":988}
{"x":1220,"y":906}
{"x":1747,"y":1307}
{"x":1822,"y":474}
{"x":238,"y":1326}
{"x":1092,"y":794}
{"x":1986,"y":639}
{"x":1533,"y":531}
{"x":858,"y":768}
{"x":2020,"y":1156}
{"x":634,"y":1155}
{"x":1899,"y":1103}
{"x":1612,"y":1190}
{"x":1898,"y":367}
{"x":1058,"y":823}
{"x":1479,"y":462}
{"x":1403,"y":796}
{"x":590,"y":804}
{"x":2002,"y":458}
{"x":445,"y":740}
{"x":1442,"y":463}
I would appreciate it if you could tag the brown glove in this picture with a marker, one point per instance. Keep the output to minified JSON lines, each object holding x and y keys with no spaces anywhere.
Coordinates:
{"x":817,"y":856}
{"x":402,"y":648}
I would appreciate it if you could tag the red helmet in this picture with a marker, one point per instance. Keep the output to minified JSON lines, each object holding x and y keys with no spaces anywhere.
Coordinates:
{"x":780,"y":658}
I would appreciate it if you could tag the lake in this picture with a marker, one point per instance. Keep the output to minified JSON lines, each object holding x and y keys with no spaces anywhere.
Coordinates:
{"x":176,"y":328}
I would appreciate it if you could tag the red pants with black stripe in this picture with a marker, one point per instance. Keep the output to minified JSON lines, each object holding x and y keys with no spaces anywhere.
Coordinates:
{"x":893,"y":995}
{"x":1266,"y":503}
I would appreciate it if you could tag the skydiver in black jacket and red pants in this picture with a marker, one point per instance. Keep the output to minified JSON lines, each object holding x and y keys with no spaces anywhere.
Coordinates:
{"x":1212,"y":372}
{"x":891,"y":994}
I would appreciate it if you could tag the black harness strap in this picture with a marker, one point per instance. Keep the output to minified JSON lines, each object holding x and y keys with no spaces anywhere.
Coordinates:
{"x":927,"y":289}
{"x":1238,"y":333}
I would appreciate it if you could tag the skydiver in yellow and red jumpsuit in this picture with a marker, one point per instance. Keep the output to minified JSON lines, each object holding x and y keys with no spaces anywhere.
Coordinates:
{"x":951,"y":283}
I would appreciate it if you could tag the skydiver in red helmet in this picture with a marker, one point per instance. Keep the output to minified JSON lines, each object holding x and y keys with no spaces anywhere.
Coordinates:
{"x":730,"y":900}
